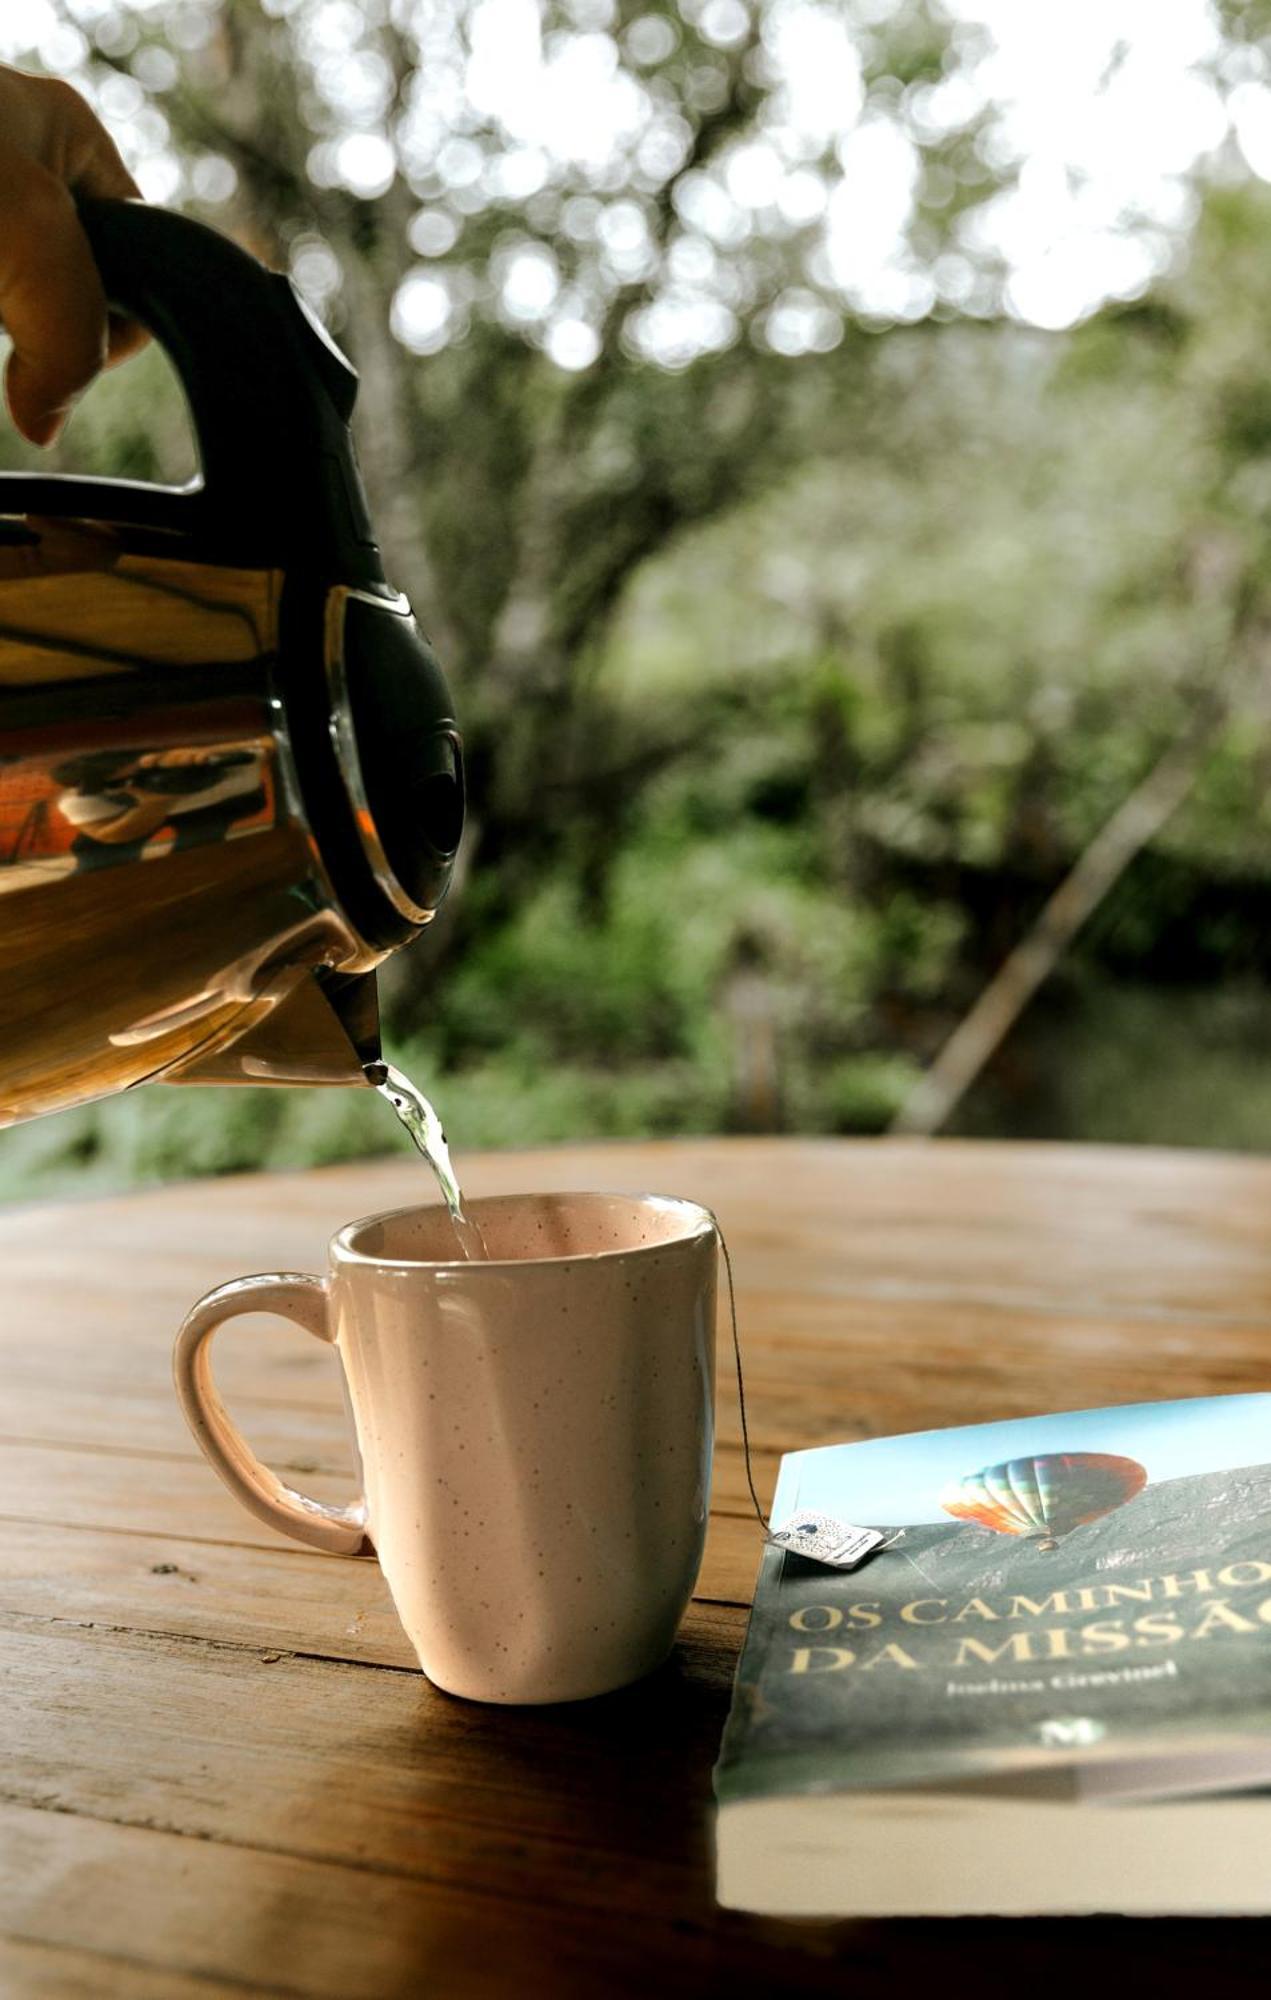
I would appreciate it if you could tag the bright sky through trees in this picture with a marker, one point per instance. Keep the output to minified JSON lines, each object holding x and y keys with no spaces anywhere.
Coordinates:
{"x":1100,"y":111}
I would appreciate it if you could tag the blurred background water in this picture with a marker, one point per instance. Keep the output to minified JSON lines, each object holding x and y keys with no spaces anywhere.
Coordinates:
{"x":830,"y":447}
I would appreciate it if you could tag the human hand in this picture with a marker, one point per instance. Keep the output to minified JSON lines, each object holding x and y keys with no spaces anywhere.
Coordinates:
{"x":53,"y":148}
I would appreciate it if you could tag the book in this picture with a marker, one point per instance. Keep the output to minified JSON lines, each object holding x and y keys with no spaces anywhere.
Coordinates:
{"x":1048,"y":1690}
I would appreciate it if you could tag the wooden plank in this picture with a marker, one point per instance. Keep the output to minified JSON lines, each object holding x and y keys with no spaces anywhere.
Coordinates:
{"x":182,"y":1497}
{"x":222,"y":1920}
{"x":846,"y":1369}
{"x":267,"y":1598}
{"x":730,"y":1564}
{"x":285,"y":1599}
{"x":817,"y":1370}
{"x":317,"y":1455}
{"x":179,"y":1496}
{"x":30,"y":1971}
{"x":239,"y":1920}
{"x":377,"y":1769}
{"x":273,"y":1806}
{"x":1076,"y":1228}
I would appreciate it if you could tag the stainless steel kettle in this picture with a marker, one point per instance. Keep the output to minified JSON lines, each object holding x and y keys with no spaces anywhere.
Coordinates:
{"x":230,"y":774}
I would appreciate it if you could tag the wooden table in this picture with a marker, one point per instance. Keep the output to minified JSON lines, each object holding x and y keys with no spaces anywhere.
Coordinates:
{"x":219,"y":1770}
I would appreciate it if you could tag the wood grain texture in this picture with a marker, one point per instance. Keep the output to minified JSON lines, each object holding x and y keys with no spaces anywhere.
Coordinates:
{"x":220,"y":1771}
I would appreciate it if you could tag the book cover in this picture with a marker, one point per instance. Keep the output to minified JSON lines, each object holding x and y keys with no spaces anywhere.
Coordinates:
{"x":1087,"y":1593}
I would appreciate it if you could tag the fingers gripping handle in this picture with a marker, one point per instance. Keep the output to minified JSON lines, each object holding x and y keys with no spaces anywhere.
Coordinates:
{"x":303,"y":1300}
{"x":270,"y":396}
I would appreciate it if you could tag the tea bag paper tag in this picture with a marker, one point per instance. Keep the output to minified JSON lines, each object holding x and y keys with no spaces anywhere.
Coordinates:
{"x":820,"y":1538}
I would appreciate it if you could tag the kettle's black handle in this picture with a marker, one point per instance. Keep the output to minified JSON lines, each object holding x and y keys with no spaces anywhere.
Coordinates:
{"x":270,"y":395}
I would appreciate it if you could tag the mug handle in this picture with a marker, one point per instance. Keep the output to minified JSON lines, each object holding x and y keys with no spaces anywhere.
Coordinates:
{"x":295,"y":1296}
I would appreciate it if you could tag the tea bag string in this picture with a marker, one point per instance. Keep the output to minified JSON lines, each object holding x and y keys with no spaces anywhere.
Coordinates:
{"x":764,"y":1523}
{"x":741,"y":1385}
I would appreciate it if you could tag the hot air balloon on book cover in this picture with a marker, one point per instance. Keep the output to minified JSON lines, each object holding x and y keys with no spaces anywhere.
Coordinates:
{"x":1045,"y":1496}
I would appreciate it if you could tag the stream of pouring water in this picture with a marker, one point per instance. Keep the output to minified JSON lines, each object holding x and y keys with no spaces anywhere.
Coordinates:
{"x":425,"y":1128}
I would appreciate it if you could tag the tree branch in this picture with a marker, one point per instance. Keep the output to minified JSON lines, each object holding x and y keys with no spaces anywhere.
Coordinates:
{"x":1136,"y":822}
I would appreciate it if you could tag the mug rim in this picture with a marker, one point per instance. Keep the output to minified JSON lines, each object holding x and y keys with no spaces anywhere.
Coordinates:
{"x":345,"y":1251}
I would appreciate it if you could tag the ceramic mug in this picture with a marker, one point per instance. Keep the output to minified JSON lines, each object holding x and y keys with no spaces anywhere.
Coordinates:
{"x":535,"y":1431}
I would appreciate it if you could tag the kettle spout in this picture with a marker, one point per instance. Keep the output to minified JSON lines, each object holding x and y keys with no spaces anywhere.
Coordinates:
{"x":324,"y":1031}
{"x":354,"y":999}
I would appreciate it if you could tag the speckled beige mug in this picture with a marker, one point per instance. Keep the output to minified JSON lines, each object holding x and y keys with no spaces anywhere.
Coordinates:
{"x":535,"y":1432}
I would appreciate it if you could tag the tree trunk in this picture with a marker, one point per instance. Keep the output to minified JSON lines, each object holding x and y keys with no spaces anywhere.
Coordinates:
{"x":1137,"y":820}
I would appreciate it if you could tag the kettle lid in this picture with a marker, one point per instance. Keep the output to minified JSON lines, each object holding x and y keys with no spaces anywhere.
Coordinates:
{"x":394,"y":734}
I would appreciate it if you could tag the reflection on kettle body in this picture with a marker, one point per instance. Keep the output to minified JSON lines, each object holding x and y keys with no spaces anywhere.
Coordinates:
{"x":115,"y":801}
{"x":149,"y":845}
{"x":258,"y":977}
{"x":121,"y":805}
